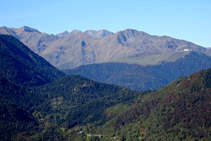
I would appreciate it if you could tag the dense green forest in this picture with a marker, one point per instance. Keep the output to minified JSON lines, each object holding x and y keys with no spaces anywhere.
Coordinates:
{"x":72,"y":107}
{"x":76,"y":108}
{"x":139,"y":77}
{"x":68,"y":102}
{"x":22,"y":66}
{"x":178,"y":111}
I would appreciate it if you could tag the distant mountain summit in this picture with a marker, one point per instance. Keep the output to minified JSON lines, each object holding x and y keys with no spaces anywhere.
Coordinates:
{"x":148,"y":43}
{"x":32,"y":38}
{"x":25,"y":29}
{"x":67,"y":33}
{"x":99,"y":33}
{"x":63,"y":34}
{"x":68,"y":50}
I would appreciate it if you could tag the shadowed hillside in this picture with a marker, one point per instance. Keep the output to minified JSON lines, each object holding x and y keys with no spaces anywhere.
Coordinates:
{"x":139,"y":77}
{"x":178,"y":111}
{"x":20,"y":65}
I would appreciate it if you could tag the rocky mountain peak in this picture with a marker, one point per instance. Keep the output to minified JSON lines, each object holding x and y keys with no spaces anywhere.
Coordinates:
{"x":63,"y":34}
{"x":28,"y":29}
{"x":75,"y":31}
{"x":99,"y":33}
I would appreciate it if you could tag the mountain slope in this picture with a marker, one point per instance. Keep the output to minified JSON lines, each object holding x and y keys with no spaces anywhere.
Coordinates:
{"x":143,"y":77}
{"x":145,"y":42}
{"x":178,"y":111}
{"x":31,"y":37}
{"x":15,"y":118}
{"x":22,"y":66}
{"x":78,"y":100}
{"x":69,"y":50}
{"x":79,"y":48}
{"x":63,"y":104}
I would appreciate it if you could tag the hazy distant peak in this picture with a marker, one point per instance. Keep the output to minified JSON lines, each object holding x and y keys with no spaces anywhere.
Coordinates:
{"x":28,"y":29}
{"x":63,"y":34}
{"x":7,"y":31}
{"x":133,"y":32}
{"x":75,"y":31}
{"x":68,"y":33}
{"x":128,"y":31}
{"x":99,"y":33}
{"x":94,"y":33}
{"x":126,"y":37}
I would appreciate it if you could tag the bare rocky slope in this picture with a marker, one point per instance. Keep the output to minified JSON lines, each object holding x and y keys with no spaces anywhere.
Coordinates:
{"x":69,"y":50}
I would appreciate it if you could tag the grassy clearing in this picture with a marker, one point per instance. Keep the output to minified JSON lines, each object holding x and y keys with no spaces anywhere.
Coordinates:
{"x":145,"y":60}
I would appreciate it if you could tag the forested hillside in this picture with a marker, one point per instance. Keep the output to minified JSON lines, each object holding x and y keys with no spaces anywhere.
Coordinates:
{"x":76,"y":108}
{"x":139,"y":77}
{"x":66,"y":103}
{"x":32,"y":112}
{"x":22,"y":66}
{"x":178,"y":111}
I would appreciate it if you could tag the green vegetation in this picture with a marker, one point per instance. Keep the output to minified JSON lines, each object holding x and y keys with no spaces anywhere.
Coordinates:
{"x":178,"y":111}
{"x":139,"y":77}
{"x":20,"y":65}
{"x":63,"y":104}
{"x":151,"y":59}
{"x":77,"y":108}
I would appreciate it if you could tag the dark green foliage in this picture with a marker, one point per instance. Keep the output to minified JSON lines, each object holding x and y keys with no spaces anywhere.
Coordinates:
{"x":20,"y":65}
{"x":207,"y":78}
{"x":14,"y":120}
{"x":138,"y":77}
{"x":83,"y":97}
{"x":67,"y":102}
{"x":178,"y":111}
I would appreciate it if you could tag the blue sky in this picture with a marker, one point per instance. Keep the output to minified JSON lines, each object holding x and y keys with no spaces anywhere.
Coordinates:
{"x":182,"y":19}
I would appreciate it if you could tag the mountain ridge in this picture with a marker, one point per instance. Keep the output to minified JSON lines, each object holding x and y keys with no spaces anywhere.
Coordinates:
{"x":113,"y":47}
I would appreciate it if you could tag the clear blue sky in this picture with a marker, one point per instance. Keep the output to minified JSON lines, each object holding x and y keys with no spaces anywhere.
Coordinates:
{"x":182,"y":19}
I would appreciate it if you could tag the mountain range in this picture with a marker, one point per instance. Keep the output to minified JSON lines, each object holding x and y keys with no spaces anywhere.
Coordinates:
{"x":69,"y":50}
{"x":72,"y":107}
